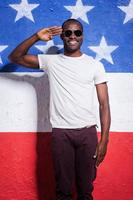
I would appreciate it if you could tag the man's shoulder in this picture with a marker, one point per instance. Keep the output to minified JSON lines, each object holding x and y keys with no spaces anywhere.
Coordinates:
{"x":48,"y":57}
{"x":89,"y":58}
{"x":92,"y":60}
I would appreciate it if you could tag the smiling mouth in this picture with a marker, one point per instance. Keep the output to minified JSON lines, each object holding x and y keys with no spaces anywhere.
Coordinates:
{"x":73,"y":42}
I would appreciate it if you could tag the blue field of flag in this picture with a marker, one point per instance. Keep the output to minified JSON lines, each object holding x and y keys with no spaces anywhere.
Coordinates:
{"x":108,"y":29}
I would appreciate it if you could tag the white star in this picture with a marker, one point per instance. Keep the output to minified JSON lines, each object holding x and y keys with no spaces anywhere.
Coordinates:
{"x":49,"y":48}
{"x":103,"y":50}
{"x":24,"y":10}
{"x":79,"y":11}
{"x":128,"y":10}
{"x":2,"y":48}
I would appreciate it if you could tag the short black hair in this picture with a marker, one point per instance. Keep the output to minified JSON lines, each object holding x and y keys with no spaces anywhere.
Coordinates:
{"x":72,"y":21}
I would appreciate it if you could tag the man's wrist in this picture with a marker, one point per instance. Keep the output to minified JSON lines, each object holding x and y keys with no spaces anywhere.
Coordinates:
{"x":104,"y":138}
{"x":36,"y":36}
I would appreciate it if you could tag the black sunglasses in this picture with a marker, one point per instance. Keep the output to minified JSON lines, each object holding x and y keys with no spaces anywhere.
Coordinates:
{"x":68,"y":33}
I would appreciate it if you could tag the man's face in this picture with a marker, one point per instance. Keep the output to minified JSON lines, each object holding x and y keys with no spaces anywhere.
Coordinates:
{"x":72,"y":37}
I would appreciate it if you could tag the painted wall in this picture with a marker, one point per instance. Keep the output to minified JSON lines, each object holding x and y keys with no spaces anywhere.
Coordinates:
{"x":26,"y":167}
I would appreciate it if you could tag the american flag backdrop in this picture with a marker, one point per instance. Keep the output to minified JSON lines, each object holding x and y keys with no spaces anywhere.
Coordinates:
{"x":24,"y":93}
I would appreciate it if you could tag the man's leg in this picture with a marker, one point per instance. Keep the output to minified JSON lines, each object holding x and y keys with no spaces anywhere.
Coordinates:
{"x":85,"y":163}
{"x":63,"y":157}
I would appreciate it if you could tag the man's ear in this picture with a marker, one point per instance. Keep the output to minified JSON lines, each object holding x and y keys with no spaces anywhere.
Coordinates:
{"x":61,"y":36}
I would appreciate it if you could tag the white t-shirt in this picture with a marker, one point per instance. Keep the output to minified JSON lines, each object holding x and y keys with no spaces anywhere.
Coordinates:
{"x":72,"y":84}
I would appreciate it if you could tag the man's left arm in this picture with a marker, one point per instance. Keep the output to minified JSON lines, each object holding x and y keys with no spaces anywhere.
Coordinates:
{"x":105,"y":119}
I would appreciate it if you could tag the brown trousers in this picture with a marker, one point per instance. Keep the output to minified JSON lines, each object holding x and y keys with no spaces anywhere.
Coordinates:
{"x":73,"y":151}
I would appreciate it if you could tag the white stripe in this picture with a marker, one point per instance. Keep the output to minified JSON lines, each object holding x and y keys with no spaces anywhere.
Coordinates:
{"x":18,"y":108}
{"x":121,"y":101}
{"x":120,"y":86}
{"x":24,"y":101}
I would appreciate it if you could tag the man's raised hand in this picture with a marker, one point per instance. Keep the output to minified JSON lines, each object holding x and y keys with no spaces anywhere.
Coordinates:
{"x":47,"y":34}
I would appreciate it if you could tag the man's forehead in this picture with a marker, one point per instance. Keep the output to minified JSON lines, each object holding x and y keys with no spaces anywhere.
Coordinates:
{"x":72,"y":25}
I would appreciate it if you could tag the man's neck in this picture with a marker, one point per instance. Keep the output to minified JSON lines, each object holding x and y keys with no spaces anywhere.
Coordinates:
{"x":73,"y":54}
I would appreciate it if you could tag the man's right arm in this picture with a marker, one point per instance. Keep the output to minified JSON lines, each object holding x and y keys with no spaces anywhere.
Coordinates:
{"x":20,"y":54}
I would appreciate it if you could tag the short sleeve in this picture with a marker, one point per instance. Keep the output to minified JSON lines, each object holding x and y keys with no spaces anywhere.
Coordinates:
{"x":43,"y":61}
{"x":100,"y":75}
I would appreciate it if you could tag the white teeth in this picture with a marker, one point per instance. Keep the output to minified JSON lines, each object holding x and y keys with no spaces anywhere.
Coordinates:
{"x":72,"y":42}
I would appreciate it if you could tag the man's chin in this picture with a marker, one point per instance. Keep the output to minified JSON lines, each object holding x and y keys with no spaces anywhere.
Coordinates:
{"x":73,"y":49}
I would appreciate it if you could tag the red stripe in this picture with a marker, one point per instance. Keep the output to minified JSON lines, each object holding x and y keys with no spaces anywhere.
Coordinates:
{"x":26,"y":167}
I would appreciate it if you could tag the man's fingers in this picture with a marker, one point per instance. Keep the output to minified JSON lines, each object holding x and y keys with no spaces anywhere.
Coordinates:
{"x":100,"y":158}
{"x":47,"y":34}
{"x":56,"y":30}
